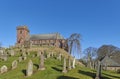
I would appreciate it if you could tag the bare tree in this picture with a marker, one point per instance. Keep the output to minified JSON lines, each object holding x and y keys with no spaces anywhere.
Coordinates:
{"x":90,"y":54}
{"x":74,"y":43}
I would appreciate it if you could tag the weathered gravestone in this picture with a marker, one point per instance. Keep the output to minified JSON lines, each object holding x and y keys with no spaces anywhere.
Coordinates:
{"x":29,"y":70}
{"x":24,"y":56}
{"x":38,"y":53}
{"x":3,"y":69}
{"x":11,"y":52}
{"x":20,"y":59}
{"x":73,"y":64}
{"x":52,"y":54}
{"x":59,"y":56}
{"x":41,"y":66}
{"x":4,"y":57}
{"x":48,"y":55}
{"x":1,"y":52}
{"x":64,"y":66}
{"x":14,"y":64}
{"x":69,"y":63}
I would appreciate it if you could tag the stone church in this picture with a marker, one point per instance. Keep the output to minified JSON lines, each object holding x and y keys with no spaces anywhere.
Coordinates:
{"x":54,"y":39}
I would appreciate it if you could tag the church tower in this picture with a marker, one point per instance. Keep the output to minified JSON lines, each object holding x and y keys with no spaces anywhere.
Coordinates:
{"x":22,"y":34}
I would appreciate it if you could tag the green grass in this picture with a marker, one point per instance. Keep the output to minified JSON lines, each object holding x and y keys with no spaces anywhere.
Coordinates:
{"x":53,"y":70}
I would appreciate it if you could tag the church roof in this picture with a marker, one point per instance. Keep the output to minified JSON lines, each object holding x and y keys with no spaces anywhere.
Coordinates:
{"x":46,"y":36}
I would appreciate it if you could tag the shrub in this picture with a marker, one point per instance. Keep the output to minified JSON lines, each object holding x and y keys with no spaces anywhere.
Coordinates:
{"x":118,"y":71}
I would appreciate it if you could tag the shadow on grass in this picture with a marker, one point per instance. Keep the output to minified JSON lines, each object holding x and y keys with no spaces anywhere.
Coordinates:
{"x":87,"y":73}
{"x":36,"y":65}
{"x":111,"y":76}
{"x":24,"y":72}
{"x":60,"y":65}
{"x":66,"y":77}
{"x":93,"y":74}
{"x":59,"y":70}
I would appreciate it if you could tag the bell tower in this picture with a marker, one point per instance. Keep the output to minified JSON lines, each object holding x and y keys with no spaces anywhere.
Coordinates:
{"x":22,"y":34}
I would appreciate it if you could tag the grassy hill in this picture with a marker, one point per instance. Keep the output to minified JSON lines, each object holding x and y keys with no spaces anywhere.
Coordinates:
{"x":53,"y":68}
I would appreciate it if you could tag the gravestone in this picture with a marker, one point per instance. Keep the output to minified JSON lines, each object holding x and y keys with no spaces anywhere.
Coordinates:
{"x":4,"y":57}
{"x":41,"y":66}
{"x":69,"y":63}
{"x":33,"y":55}
{"x":20,"y":59}
{"x":73,"y":64}
{"x":59,"y":56}
{"x":3,"y":69}
{"x":24,"y":56}
{"x":14,"y":64}
{"x":38,"y":53}
{"x":1,"y":52}
{"x":29,"y":70}
{"x":64,"y":66}
{"x":48,"y":55}
{"x":52,"y":54}
{"x":11,"y":52}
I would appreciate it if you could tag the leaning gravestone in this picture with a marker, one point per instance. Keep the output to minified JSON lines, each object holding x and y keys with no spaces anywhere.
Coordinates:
{"x":3,"y":69}
{"x":14,"y":64}
{"x":29,"y":71}
{"x":41,"y":66}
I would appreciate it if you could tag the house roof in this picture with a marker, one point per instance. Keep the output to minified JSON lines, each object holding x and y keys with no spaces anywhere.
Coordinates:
{"x":110,"y":61}
{"x":46,"y":36}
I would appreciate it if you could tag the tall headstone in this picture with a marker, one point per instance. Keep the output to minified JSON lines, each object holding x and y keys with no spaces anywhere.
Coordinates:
{"x":59,"y":56}
{"x":3,"y":69}
{"x":14,"y":64}
{"x":29,"y":70}
{"x":64,"y":66}
{"x":69,"y":63}
{"x":73,"y":64}
{"x":41,"y":66}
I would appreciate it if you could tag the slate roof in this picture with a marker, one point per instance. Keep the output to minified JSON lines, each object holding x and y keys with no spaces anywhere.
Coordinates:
{"x":110,"y":62}
{"x":46,"y":36}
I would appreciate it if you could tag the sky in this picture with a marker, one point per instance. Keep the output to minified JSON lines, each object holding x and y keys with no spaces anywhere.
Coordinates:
{"x":98,"y":21}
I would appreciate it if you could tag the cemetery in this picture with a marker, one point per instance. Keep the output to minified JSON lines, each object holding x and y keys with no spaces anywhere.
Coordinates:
{"x":47,"y":63}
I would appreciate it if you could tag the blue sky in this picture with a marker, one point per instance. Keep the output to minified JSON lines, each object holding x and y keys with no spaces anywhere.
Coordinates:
{"x":98,"y":21}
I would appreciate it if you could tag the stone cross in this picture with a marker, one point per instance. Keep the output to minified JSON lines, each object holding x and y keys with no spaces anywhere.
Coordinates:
{"x":14,"y":64}
{"x":3,"y":69}
{"x":64,"y":66}
{"x":29,"y":70}
{"x":41,"y":66}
